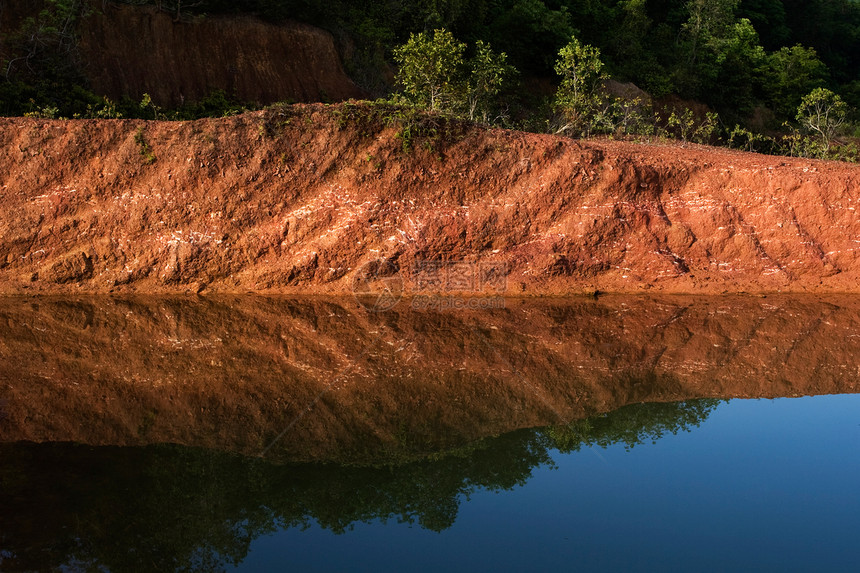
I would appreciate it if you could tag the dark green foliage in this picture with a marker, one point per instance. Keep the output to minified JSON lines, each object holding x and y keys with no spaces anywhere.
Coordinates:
{"x":45,"y":45}
{"x":216,"y":104}
{"x":790,"y":74}
{"x":768,"y":18}
{"x":831,"y":27}
{"x":532,"y":34}
{"x":40,"y":62}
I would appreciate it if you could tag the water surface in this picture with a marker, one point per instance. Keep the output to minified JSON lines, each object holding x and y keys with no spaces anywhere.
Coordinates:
{"x":620,"y":433}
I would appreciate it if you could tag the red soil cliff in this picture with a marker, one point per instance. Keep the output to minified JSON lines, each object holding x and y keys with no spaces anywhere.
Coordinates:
{"x":298,"y":199}
{"x":132,"y":50}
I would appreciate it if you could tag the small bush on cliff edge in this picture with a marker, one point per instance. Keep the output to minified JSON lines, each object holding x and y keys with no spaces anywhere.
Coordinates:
{"x":413,"y":125}
{"x":580,"y":95}
{"x":436,"y":74}
{"x":822,"y":112}
{"x":143,"y":147}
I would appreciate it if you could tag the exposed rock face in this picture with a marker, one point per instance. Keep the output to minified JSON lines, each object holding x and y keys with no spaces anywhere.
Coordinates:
{"x":132,"y":50}
{"x":325,"y":380}
{"x":299,"y":199}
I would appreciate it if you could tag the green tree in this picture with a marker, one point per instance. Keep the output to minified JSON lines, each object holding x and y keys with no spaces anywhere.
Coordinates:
{"x":708,"y":25}
{"x":831,"y":27}
{"x":738,"y":59}
{"x":435,"y":74}
{"x":488,"y":73}
{"x":40,"y":61}
{"x":431,"y":69}
{"x":45,"y":44}
{"x":580,"y":93}
{"x":791,"y":73}
{"x":629,"y":37}
{"x":531,"y":32}
{"x":768,"y":17}
{"x":709,"y":19}
{"x":822,"y":112}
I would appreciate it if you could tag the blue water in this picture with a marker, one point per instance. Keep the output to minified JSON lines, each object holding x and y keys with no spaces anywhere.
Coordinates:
{"x":760,"y":485}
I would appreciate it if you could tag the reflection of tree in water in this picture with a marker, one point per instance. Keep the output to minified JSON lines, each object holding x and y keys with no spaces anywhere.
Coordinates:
{"x":170,"y":507}
{"x":631,"y":425}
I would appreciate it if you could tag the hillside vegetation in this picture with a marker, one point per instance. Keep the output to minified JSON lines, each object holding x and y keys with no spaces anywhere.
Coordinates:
{"x":721,"y":71}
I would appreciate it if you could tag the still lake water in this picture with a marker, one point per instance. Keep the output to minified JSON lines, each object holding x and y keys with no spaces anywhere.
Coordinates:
{"x":250,"y":433}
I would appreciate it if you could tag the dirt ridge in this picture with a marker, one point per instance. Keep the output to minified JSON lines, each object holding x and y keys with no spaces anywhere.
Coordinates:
{"x":299,"y":199}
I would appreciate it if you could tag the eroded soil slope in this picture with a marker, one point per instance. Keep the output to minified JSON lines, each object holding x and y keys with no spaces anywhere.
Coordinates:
{"x":134,"y":50}
{"x":131,"y":50}
{"x":299,"y":199}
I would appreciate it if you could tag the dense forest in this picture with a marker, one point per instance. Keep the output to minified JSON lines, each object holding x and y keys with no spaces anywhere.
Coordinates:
{"x":730,"y":71}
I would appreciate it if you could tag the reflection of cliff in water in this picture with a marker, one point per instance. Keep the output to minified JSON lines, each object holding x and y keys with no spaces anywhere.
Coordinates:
{"x":351,"y":386}
{"x":388,"y":416}
{"x":174,"y":507}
